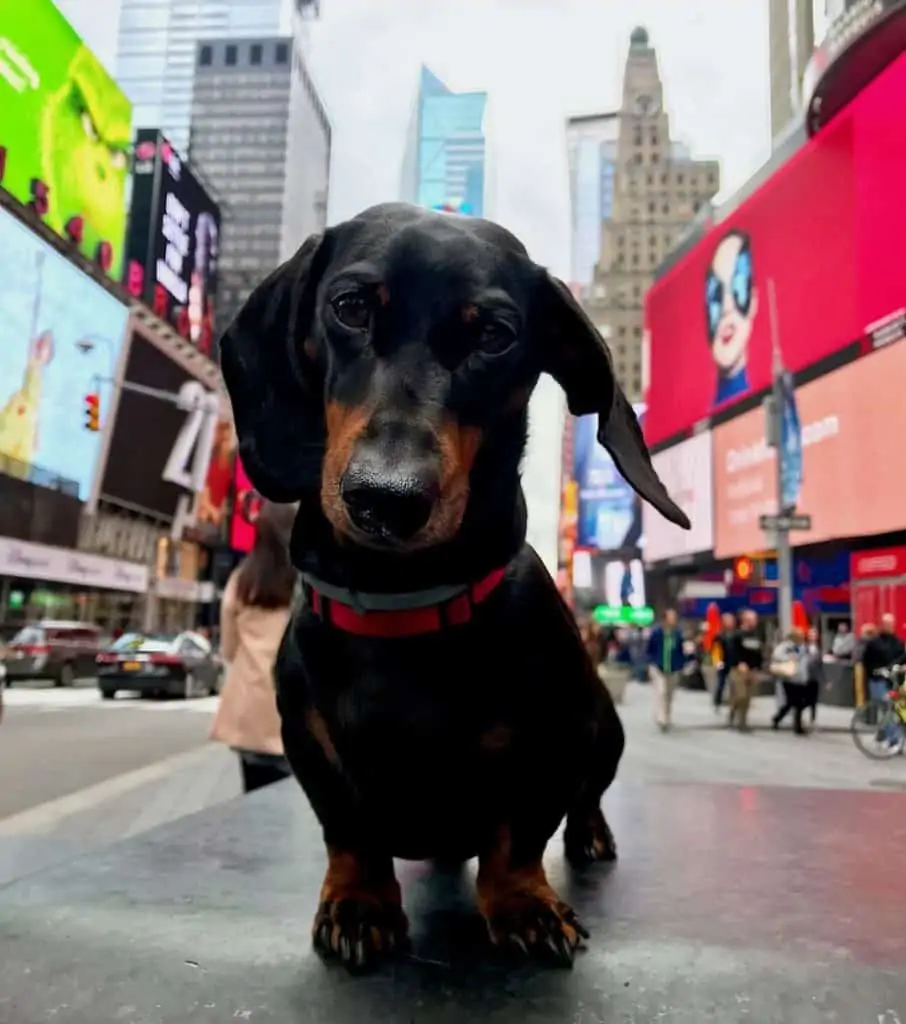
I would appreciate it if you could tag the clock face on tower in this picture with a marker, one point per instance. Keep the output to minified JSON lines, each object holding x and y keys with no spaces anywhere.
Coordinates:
{"x":645,"y":104}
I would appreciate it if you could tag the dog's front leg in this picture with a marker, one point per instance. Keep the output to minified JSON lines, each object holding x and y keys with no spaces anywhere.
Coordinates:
{"x":523,"y":913}
{"x":360,"y":919}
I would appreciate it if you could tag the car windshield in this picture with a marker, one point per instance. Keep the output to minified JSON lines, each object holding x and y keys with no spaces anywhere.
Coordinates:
{"x":28,"y":635}
{"x":147,"y":644}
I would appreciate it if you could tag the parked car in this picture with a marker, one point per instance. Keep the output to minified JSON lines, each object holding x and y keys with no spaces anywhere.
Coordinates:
{"x":61,"y":651}
{"x":184,"y":665}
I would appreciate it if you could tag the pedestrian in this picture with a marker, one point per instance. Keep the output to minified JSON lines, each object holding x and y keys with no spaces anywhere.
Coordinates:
{"x":789,"y":664}
{"x":844,"y":643}
{"x":745,"y":660}
{"x":719,"y":655}
{"x":254,"y":614}
{"x":664,"y":654}
{"x":817,"y":674}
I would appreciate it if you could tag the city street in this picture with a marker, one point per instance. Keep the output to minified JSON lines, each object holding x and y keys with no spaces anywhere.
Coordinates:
{"x":83,"y":773}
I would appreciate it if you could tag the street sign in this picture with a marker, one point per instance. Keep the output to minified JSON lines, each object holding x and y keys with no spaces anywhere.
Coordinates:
{"x":785,"y":523}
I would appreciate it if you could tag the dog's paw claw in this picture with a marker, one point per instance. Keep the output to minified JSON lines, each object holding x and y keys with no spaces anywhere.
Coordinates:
{"x":589,"y":842}
{"x":359,"y":933}
{"x":527,"y":925}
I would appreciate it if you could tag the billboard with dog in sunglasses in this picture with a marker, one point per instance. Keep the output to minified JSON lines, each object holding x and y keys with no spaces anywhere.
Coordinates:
{"x":825,"y":229}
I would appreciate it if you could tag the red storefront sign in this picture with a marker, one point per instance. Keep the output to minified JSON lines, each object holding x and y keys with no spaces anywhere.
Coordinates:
{"x":881,"y":563}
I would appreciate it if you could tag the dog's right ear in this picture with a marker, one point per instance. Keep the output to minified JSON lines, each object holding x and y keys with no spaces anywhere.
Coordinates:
{"x":274,"y":385}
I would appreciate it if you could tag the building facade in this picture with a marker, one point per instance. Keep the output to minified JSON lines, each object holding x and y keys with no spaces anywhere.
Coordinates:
{"x":262,"y":135}
{"x":791,"y":40}
{"x":444,"y":161}
{"x":156,"y":43}
{"x":650,"y":189}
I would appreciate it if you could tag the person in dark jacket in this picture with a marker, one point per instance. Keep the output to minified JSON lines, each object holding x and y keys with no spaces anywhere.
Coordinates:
{"x":882,"y":652}
{"x":665,"y":657}
{"x":721,"y":645}
{"x":745,"y":661}
{"x":816,"y":673}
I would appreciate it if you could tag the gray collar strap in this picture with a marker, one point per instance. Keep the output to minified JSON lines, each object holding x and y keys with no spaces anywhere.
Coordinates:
{"x":401,"y":602}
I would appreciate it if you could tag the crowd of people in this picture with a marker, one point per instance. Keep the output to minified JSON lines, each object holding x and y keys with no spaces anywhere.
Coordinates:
{"x":742,"y":663}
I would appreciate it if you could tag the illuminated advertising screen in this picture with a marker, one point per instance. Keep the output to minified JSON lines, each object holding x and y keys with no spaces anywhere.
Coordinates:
{"x":65,"y":131}
{"x":610,"y":513}
{"x":246,"y":505}
{"x":212,"y":509}
{"x":685,"y":469}
{"x":60,"y":338}
{"x":173,"y":241}
{"x":853,"y":424}
{"x":826,"y":229}
{"x":149,"y":432}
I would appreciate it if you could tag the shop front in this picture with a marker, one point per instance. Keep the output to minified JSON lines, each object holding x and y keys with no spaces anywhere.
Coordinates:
{"x":878,"y":583}
{"x":38,"y":581}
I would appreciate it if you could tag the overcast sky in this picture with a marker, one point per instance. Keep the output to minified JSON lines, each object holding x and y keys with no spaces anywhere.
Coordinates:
{"x":539,"y":60}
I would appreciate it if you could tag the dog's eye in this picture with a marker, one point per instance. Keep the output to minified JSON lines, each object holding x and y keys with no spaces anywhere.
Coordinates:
{"x":353,"y":311}
{"x":496,"y":338}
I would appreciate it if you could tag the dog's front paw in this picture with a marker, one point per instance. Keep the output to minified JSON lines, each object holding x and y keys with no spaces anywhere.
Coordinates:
{"x":360,"y":931}
{"x":588,"y":839}
{"x":360,"y":919}
{"x":524,"y":923}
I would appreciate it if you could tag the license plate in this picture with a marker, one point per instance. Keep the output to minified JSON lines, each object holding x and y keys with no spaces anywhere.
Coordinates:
{"x":132,"y":666}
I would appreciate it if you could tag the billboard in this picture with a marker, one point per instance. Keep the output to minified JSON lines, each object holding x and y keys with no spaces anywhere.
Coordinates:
{"x":825,"y":229}
{"x":173,"y":240}
{"x":212,"y":509}
{"x":610,"y":512}
{"x":853,"y":422}
{"x":65,"y":133}
{"x":686,"y":470}
{"x":154,"y":439}
{"x":60,"y":337}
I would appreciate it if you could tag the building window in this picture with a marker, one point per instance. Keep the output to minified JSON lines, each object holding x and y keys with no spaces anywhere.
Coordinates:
{"x":231,"y":55}
{"x":665,"y":208}
{"x":281,"y":54}
{"x":679,"y":179}
{"x":696,"y":206}
{"x":637,"y":332}
{"x":651,"y":207}
{"x":621,"y":331}
{"x":206,"y":56}
{"x":655,"y":158}
{"x":255,"y":53}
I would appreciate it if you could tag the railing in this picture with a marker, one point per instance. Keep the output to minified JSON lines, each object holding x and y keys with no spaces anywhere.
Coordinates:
{"x":38,"y":475}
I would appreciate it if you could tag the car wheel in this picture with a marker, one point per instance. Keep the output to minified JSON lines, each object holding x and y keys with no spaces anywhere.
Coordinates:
{"x":108,"y":694}
{"x":66,"y":676}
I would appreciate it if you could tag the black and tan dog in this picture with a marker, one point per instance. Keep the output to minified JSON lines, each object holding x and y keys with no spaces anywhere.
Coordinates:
{"x":437,"y":702}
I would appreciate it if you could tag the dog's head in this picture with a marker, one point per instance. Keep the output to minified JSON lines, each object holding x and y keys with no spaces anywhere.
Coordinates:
{"x":382,"y":361}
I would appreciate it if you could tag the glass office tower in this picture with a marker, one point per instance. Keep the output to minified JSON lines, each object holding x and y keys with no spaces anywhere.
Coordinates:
{"x":444,"y":163}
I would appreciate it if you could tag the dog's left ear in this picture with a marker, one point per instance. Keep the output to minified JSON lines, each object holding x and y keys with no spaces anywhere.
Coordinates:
{"x":576,"y":356}
{"x":273,"y":383}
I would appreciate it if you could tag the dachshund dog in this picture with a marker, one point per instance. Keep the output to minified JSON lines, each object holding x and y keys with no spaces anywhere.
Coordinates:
{"x":436,"y":699}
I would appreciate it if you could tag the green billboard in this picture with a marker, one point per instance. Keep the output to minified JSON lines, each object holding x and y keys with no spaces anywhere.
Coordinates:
{"x":65,"y":131}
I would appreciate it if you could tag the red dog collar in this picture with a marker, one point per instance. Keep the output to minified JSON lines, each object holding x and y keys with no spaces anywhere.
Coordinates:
{"x":397,"y":615}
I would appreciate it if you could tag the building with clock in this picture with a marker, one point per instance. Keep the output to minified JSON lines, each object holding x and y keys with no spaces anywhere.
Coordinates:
{"x":634,"y":192}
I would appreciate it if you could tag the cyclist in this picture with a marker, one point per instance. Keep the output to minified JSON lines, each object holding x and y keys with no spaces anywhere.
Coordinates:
{"x":883,"y":652}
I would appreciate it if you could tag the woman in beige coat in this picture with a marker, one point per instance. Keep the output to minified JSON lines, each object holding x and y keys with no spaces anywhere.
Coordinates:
{"x":253,"y":616}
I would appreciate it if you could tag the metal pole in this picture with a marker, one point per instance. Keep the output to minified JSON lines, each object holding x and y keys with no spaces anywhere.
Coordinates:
{"x":784,"y":549}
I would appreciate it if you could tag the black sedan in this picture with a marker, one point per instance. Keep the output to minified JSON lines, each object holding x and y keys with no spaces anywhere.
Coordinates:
{"x":159,"y":666}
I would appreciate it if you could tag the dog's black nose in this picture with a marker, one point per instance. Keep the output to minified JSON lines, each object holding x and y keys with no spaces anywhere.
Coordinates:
{"x":395,"y":508}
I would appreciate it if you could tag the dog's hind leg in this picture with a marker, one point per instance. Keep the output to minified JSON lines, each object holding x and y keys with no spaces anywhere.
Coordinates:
{"x":587,"y":837}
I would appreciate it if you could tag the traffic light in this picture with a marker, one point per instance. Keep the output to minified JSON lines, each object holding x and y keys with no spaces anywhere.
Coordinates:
{"x":93,"y":411}
{"x":744,"y":569}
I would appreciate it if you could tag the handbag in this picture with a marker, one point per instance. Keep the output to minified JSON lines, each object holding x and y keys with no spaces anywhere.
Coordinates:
{"x":784,"y":669}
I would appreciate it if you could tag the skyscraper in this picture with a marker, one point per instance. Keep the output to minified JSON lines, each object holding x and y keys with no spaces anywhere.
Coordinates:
{"x":650,"y":188}
{"x":260,"y":131}
{"x":791,"y":34}
{"x":444,"y":162}
{"x":155,"y":59}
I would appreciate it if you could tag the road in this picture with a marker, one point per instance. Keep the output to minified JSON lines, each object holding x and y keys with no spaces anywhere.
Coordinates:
{"x":79,"y":772}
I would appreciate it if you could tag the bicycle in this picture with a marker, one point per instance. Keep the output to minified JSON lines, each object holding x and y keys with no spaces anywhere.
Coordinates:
{"x":879,"y":727}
